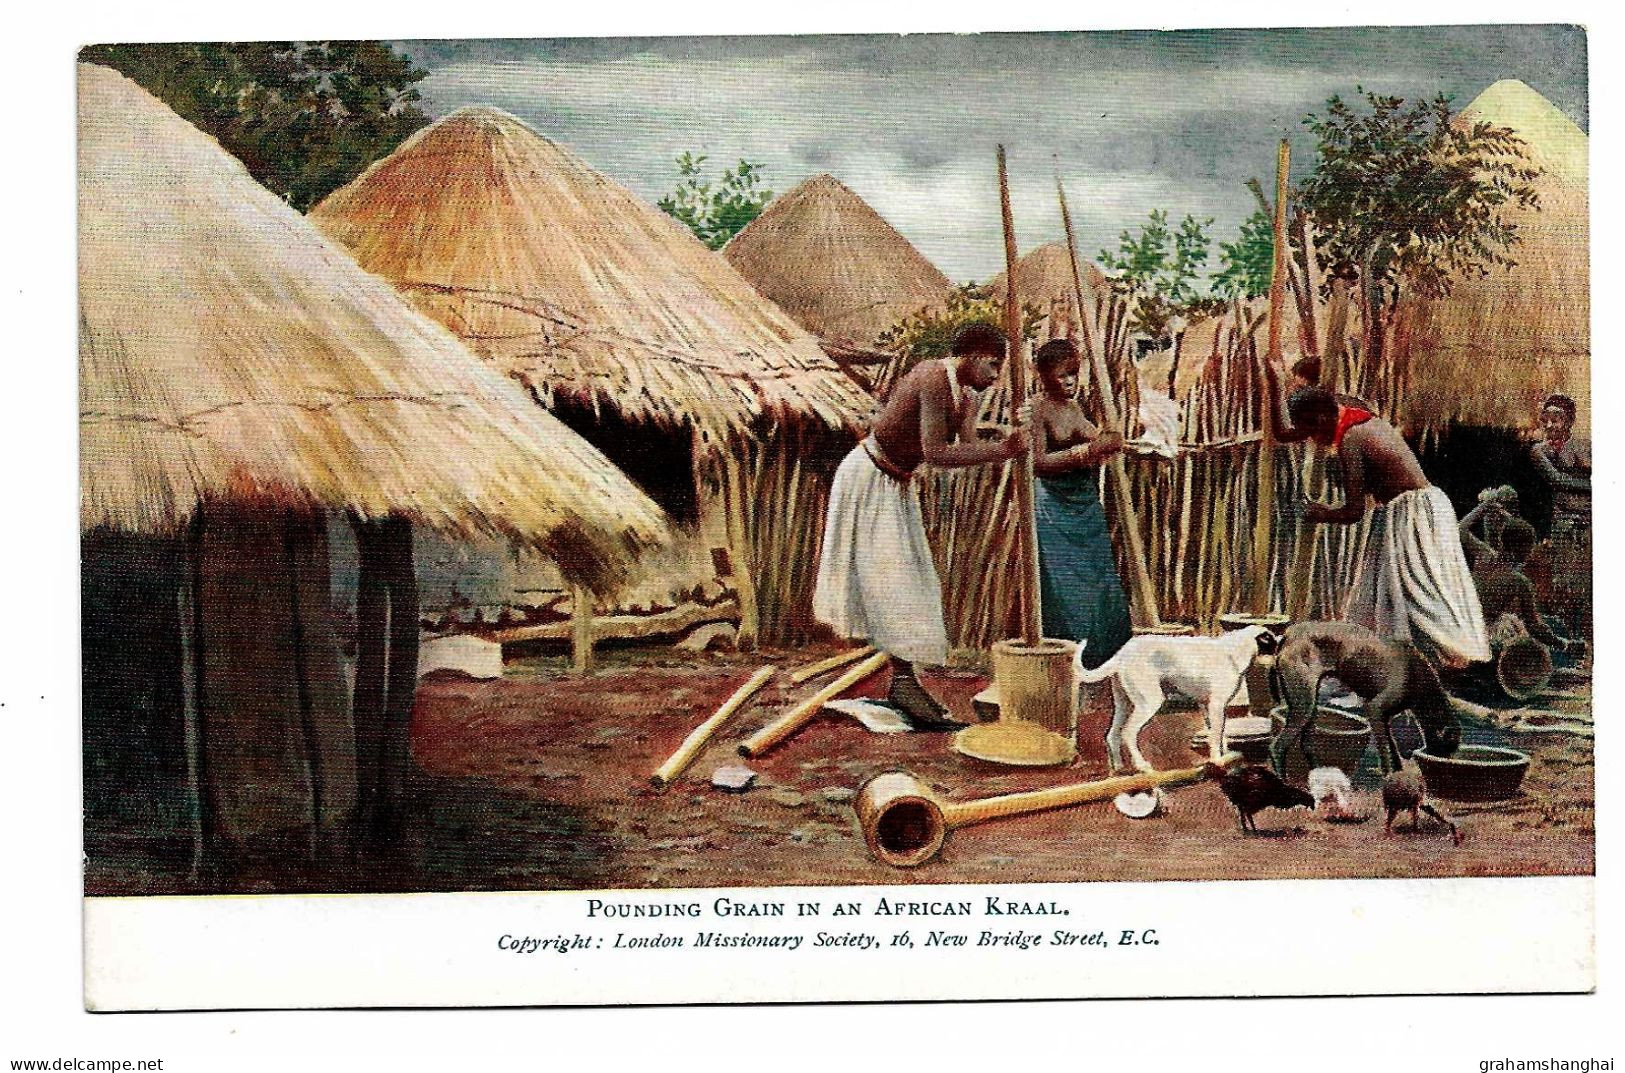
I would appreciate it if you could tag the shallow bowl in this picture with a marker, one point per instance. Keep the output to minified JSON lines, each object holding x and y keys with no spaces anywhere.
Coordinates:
{"x":1474,"y":772}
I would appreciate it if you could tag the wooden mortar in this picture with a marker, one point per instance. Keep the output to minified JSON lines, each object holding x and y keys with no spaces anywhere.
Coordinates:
{"x":1038,"y":684}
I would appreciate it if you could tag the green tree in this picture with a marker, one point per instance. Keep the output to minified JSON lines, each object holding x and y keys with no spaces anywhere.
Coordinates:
{"x":716,"y":212}
{"x":1247,"y":264}
{"x":1412,"y":200}
{"x":305,"y":117}
{"x":1157,"y":270}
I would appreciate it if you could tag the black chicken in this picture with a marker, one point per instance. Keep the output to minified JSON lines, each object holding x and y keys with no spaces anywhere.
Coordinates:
{"x":1255,"y":788}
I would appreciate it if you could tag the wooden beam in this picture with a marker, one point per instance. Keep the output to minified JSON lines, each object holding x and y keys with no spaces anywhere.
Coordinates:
{"x":623,"y":627}
{"x":403,"y":674}
{"x":580,"y":630}
{"x":740,"y":553}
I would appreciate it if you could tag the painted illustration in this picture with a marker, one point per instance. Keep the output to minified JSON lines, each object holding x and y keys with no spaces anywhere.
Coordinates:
{"x":628,"y":464}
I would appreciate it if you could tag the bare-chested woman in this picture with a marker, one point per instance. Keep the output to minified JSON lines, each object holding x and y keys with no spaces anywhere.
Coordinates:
{"x":876,"y":578}
{"x":1413,"y":583}
{"x":1083,"y":597}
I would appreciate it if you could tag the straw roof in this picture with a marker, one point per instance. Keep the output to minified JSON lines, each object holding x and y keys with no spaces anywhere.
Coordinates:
{"x":568,"y":282}
{"x":835,"y":265}
{"x":228,"y":351}
{"x":1044,"y":279}
{"x":1497,"y":346}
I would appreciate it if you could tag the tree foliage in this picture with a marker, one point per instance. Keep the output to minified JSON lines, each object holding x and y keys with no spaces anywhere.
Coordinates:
{"x":716,"y":212}
{"x":1247,"y":264}
{"x":1410,"y":198}
{"x":1158,"y":269}
{"x":929,"y":333}
{"x":305,"y":117}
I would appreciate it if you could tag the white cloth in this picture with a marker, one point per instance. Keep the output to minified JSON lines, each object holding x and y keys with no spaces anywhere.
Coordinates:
{"x":1163,"y":421}
{"x":876,"y":579}
{"x":1413,"y":583}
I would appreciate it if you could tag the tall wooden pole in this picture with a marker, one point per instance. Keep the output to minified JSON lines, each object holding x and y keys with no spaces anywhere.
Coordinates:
{"x":1300,"y":578}
{"x":1142,"y":593}
{"x":1264,"y":524}
{"x":1032,"y":612}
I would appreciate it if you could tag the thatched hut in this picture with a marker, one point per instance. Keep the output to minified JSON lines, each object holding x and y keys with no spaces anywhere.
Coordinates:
{"x":828,"y":259}
{"x":611,"y":314}
{"x":1490,"y":352}
{"x":1044,"y":279}
{"x":240,"y":378}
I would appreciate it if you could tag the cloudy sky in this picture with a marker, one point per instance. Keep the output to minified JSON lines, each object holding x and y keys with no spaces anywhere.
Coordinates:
{"x":1137,"y":121}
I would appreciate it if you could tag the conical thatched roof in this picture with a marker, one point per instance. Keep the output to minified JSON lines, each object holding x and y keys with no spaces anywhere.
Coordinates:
{"x":569,"y":283}
{"x":228,"y":350}
{"x":1044,"y":279}
{"x":834,"y":264}
{"x":1497,"y":346}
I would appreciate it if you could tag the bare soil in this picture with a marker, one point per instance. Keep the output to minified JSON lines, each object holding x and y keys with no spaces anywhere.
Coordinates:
{"x":541,"y":780}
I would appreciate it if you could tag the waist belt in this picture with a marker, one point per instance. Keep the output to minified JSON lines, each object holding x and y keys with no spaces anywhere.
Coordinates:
{"x":884,"y":464}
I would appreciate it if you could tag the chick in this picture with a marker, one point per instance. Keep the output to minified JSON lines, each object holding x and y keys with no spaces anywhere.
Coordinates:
{"x":1404,"y":791}
{"x":1333,"y":794}
{"x":1255,"y":788}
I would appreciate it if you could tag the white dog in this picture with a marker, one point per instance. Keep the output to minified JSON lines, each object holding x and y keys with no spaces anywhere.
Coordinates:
{"x":1144,"y":671}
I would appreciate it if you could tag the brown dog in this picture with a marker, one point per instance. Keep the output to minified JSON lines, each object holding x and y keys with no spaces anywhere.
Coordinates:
{"x":1389,"y":676}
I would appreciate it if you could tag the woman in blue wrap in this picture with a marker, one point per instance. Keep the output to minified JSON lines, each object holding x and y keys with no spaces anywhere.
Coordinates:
{"x":1082,"y":594}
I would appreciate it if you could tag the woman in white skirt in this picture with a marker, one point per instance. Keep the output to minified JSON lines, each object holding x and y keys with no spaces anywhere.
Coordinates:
{"x":877,"y":581}
{"x":1413,"y":582}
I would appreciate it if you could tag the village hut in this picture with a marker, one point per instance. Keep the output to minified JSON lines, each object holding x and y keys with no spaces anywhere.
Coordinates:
{"x":611,"y":314}
{"x":241,"y":379}
{"x":828,"y":259}
{"x":1044,"y":279}
{"x":1498,"y":344}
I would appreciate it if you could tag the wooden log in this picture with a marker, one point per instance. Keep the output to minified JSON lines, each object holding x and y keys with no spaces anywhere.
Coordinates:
{"x":1026,"y":559}
{"x":805,"y":712}
{"x":824,"y":666}
{"x":192,"y":698}
{"x":624,"y":627}
{"x":674,"y":766}
{"x":369,"y":695}
{"x":401,"y":576}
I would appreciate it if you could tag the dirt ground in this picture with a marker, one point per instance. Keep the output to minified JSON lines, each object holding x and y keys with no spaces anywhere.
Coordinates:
{"x":541,"y":781}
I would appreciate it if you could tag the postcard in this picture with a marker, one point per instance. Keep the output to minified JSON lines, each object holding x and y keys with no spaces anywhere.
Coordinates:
{"x":836,"y":518}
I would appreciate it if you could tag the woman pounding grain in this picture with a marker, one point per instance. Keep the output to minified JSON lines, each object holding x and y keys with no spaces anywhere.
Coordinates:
{"x":1083,"y":597}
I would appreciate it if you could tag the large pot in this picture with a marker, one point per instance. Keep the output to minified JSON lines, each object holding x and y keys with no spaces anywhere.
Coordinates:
{"x":1340,"y":740}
